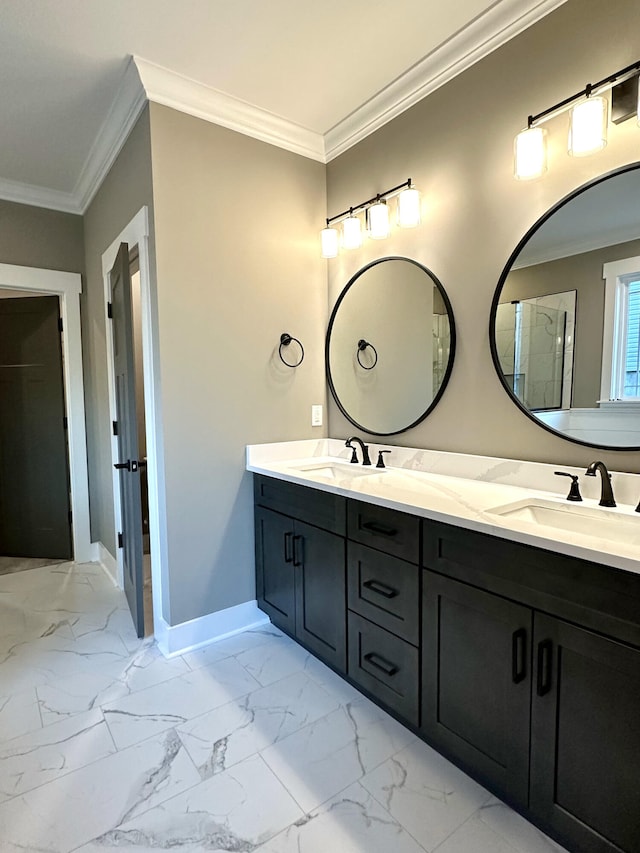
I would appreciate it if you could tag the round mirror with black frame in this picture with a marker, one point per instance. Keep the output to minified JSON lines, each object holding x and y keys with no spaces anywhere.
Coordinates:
{"x":565,"y":318}
{"x":390,"y":346}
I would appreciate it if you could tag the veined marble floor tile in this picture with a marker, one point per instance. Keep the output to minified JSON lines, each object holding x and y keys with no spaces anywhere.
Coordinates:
{"x":173,"y":702}
{"x":424,"y":792}
{"x":352,"y":822}
{"x":19,"y":714}
{"x":326,"y":756}
{"x":517,"y":831}
{"x":231,"y":733}
{"x":77,"y":693}
{"x":46,"y":754}
{"x":273,"y":661}
{"x":235,"y":811}
{"x":474,"y":836}
{"x":231,"y":646}
{"x":44,"y":661}
{"x":341,"y":690}
{"x":64,"y":814}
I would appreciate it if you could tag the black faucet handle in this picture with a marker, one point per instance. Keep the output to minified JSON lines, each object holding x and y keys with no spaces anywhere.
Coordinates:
{"x":380,"y":462}
{"x":574,"y":491}
{"x":354,"y":455}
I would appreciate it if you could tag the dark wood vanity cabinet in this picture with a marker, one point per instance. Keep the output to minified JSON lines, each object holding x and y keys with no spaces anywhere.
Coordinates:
{"x":545,"y":712}
{"x":520,"y":665}
{"x":300,"y":567}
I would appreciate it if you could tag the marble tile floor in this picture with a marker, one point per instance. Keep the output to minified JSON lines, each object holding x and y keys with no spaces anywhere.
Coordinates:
{"x":248,"y":745}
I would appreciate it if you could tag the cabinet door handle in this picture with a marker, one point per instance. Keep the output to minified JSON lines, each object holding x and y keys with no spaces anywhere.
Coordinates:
{"x":381,"y":588}
{"x":380,"y":663}
{"x":545,"y":667}
{"x":381,"y":529}
{"x":288,"y":555}
{"x":298,"y":556}
{"x":519,"y":655}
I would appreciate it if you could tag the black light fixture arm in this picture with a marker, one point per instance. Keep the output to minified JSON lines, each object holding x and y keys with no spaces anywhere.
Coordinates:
{"x":590,"y":89}
{"x":363,"y":204}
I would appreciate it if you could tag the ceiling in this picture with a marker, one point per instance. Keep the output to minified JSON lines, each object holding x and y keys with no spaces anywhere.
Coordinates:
{"x":311,"y":77}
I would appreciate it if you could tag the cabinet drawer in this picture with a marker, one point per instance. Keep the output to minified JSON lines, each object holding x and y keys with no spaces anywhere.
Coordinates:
{"x":384,"y":590}
{"x":385,"y":666}
{"x":388,"y":530}
{"x":322,"y":509}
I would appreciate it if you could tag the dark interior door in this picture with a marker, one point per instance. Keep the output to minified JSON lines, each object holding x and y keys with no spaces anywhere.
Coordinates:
{"x":127,"y":420}
{"x":35,"y":516}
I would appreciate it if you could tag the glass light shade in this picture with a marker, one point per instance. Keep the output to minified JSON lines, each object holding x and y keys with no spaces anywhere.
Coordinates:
{"x":409,"y":208}
{"x":530,"y":154}
{"x":378,"y":220}
{"x":329,"y":242}
{"x":351,"y":233}
{"x":588,"y":128}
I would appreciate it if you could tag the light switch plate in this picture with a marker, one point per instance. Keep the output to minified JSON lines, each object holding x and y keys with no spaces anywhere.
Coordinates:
{"x":316,"y":415}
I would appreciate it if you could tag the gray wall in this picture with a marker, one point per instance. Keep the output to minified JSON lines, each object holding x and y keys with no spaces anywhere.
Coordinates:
{"x":36,"y":237}
{"x":457,"y":146}
{"x":124,"y":191}
{"x":582,"y":273}
{"x":236,"y":223}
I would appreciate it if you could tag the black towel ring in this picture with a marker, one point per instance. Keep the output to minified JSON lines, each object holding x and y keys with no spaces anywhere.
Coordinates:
{"x":285,"y":340}
{"x":362,"y":345}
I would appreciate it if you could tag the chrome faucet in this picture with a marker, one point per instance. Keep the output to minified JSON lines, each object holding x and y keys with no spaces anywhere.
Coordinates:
{"x":364,"y":447}
{"x":606,"y":494}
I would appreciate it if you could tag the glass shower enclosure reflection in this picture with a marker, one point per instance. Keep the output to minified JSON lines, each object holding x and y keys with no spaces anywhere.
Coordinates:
{"x":535,"y":346}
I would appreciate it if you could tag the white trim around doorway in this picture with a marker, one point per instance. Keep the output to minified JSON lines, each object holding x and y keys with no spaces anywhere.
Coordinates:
{"x":68,"y":287}
{"x":137,"y":234}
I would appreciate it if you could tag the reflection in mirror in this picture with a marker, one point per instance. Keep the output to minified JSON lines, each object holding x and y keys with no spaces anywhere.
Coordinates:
{"x":390,"y":346}
{"x":566,"y":315}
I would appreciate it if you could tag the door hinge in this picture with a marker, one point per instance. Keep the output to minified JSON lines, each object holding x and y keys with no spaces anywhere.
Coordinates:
{"x":70,"y":518}
{"x":120,"y":540}
{"x":115,"y":427}
{"x":65,"y":422}
{"x":110,"y":310}
{"x":60,"y":326}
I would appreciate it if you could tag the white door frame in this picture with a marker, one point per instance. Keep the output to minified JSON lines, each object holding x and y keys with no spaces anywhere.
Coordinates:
{"x":137,"y":234}
{"x":68,"y":287}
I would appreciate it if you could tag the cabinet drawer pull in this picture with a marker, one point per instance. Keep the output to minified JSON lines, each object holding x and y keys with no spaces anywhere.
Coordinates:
{"x":381,"y":588}
{"x":288,"y":555}
{"x":381,"y":529}
{"x":380,"y":663}
{"x":298,"y":555}
{"x":519,"y":655}
{"x":545,"y":668}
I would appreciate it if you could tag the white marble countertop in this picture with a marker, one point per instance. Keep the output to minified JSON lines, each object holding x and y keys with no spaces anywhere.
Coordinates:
{"x":462,"y":490}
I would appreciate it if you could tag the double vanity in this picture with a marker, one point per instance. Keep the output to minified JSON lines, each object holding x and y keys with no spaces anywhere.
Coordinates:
{"x":469,"y":598}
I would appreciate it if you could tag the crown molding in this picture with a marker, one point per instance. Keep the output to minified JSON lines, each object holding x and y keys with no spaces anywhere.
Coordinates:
{"x":36,"y":196}
{"x":123,"y":113}
{"x":188,"y":96}
{"x":502,"y":22}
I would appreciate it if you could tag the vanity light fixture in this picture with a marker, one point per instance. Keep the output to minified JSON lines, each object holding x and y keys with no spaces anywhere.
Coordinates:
{"x":377,"y":218}
{"x":588,"y":122}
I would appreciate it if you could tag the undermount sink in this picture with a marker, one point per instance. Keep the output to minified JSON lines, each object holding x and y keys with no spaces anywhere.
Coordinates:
{"x":334,"y":470}
{"x":595,"y":522}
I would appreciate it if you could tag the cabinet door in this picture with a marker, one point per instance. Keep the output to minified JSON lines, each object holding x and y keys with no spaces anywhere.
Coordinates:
{"x":476,"y":682}
{"x":585,"y":750}
{"x":274,"y":567}
{"x":321,"y":613}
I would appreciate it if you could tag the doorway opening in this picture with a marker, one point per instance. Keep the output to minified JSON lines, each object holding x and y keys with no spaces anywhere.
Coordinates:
{"x":35,"y":497}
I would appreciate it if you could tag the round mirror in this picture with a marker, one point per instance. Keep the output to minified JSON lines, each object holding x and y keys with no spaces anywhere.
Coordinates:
{"x":565,"y":318}
{"x":390,"y":346}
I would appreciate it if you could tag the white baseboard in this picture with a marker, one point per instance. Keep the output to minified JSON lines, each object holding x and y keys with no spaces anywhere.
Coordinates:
{"x":106,"y":560}
{"x":174,"y":640}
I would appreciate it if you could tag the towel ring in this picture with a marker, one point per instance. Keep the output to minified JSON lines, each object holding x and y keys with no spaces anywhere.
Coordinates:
{"x":362,"y":345}
{"x":285,"y":340}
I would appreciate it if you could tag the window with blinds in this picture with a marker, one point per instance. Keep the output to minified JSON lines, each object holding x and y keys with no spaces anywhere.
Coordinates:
{"x":632,"y":340}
